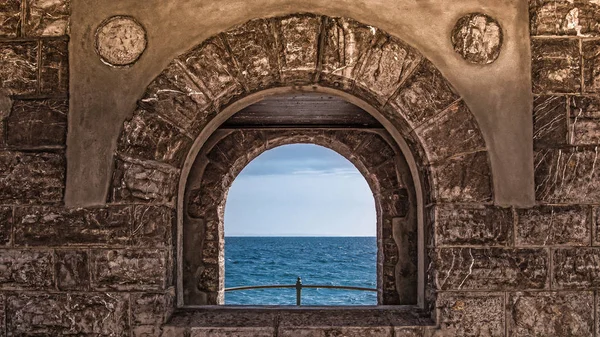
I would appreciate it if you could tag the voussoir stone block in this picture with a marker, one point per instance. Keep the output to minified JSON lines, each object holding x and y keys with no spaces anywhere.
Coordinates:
{"x":553,"y":225}
{"x":475,"y":225}
{"x":576,"y":268}
{"x":10,"y":16}
{"x":72,"y":269}
{"x":6,"y":225}
{"x":465,"y":178}
{"x":254,"y":47}
{"x":423,"y":95}
{"x":58,"y":314}
{"x":490,"y":268}
{"x":54,"y":76}
{"x":47,"y":17}
{"x":144,"y":181}
{"x":29,"y":177}
{"x":551,"y":314}
{"x":299,"y":39}
{"x":58,"y":226}
{"x":26,"y":269}
{"x":452,"y":132}
{"x":19,"y":67}
{"x":556,"y":65}
{"x":471,"y":314}
{"x":37,"y":123}
{"x":568,"y":175}
{"x":129,"y":269}
{"x":146,"y":136}
{"x":550,"y":123}
{"x":345,"y":48}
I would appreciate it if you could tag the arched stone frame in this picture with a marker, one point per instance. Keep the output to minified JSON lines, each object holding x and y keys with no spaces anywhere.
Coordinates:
{"x":227,"y":152}
{"x":202,"y":88}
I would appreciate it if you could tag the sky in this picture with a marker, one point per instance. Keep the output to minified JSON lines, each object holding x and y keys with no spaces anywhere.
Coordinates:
{"x":300,"y":190}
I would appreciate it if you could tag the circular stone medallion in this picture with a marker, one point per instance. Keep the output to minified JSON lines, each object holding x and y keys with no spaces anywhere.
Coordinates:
{"x":120,"y":41}
{"x":477,"y":38}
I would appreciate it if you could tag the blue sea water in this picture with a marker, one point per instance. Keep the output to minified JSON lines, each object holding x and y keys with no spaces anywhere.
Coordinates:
{"x":348,"y":261}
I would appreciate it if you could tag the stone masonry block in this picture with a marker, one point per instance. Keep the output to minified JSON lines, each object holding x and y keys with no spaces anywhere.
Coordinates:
{"x":124,"y":270}
{"x":254,"y":47}
{"x":298,"y":38}
{"x":471,"y":314}
{"x":153,"y":226}
{"x":54,"y":76}
{"x":235,"y":332}
{"x":490,"y":269}
{"x":72,"y":270}
{"x":465,"y":178}
{"x":567,"y":176}
{"x":587,"y":106}
{"x":474,"y":225}
{"x":591,"y":65}
{"x":47,"y":17}
{"x":596,"y":226}
{"x":556,"y":66}
{"x":149,"y":308}
{"x":576,"y":268}
{"x":144,"y":181}
{"x":6,"y":225}
{"x":57,"y":226}
{"x":147,"y":137}
{"x":37,"y":123}
{"x":28,"y":177}
{"x":26,"y":269}
{"x":19,"y":67}
{"x":423,"y":95}
{"x":553,"y":225}
{"x":382,"y":331}
{"x":10,"y":18}
{"x":585,"y":131}
{"x":550,"y":121}
{"x":551,"y":314}
{"x":59,"y":314}
{"x":564,"y":17}
{"x":452,"y":132}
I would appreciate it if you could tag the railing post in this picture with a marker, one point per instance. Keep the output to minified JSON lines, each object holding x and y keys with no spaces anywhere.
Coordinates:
{"x":299,"y":291}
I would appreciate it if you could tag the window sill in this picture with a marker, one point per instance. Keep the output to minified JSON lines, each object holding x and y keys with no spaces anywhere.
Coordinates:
{"x":291,"y":320}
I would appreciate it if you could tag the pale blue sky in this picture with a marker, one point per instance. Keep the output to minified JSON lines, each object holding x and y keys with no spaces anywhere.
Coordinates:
{"x":300,"y":190}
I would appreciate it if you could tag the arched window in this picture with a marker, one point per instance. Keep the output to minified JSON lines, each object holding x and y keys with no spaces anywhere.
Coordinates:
{"x":300,"y":210}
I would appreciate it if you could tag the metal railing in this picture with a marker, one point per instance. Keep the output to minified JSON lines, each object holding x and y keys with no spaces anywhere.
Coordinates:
{"x":299,"y":286}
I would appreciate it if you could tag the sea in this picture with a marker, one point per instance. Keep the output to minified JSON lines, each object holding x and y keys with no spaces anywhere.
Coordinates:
{"x":346,"y":261}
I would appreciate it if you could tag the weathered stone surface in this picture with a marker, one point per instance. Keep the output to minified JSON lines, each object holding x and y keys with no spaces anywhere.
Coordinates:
{"x":452,"y":132}
{"x":47,"y":17}
{"x":54,"y":76}
{"x":550,"y":124}
{"x":149,"y":308}
{"x":551,"y":314}
{"x":144,"y":181}
{"x":3,"y":314}
{"x":585,"y":131}
{"x":254,"y":47}
{"x":145,"y":136}
{"x":10,"y":18}
{"x":153,"y":226}
{"x":564,"y":17}
{"x":423,"y":95}
{"x":596,"y":226}
{"x":475,"y":225}
{"x":464,"y":178}
{"x":19,"y":67}
{"x":576,"y":268}
{"x":553,"y":225}
{"x":298,"y":38}
{"x":178,"y":99}
{"x":37,"y":123}
{"x":6,"y":225}
{"x":471,"y":314}
{"x":25,"y":269}
{"x":584,"y":106}
{"x":386,"y":67}
{"x":128,"y":269}
{"x":477,"y":38}
{"x":490,"y":268}
{"x":31,"y":177}
{"x":336,"y":331}
{"x":233,"y":332}
{"x":407,"y":332}
{"x":72,"y":270}
{"x":569,"y":175}
{"x":556,"y":65}
{"x":88,"y":314}
{"x":591,"y":65}
{"x":57,"y":226}
{"x":120,"y":41}
{"x":211,"y":66}
{"x":345,"y":46}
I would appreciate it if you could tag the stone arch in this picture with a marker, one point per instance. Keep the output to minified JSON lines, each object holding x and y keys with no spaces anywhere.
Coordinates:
{"x":200,"y":89}
{"x":228,"y":151}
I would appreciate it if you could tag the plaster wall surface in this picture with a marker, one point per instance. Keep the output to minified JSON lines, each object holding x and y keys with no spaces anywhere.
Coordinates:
{"x":499,"y":94}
